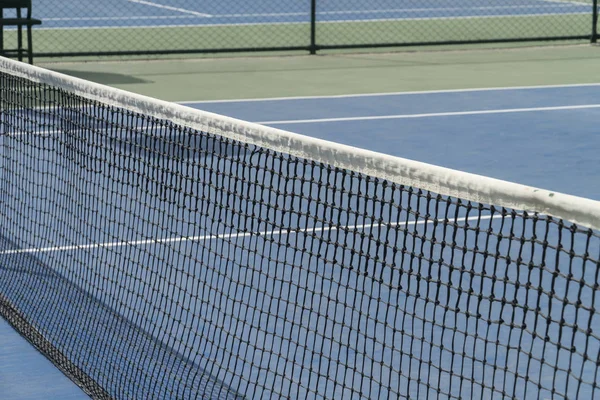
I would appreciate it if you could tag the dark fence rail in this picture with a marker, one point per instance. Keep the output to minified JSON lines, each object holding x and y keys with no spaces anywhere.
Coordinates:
{"x":130,"y":27}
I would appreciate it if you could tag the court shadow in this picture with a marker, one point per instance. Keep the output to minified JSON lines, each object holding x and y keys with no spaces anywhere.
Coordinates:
{"x":181,"y":146}
{"x":105,"y":78}
{"x":89,"y":339}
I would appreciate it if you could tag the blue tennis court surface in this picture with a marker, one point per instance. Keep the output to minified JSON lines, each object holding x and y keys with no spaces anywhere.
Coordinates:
{"x":26,"y":374}
{"x":156,"y":13}
{"x":544,"y":137}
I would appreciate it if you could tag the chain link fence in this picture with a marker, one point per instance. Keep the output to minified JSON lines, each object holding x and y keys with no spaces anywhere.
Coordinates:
{"x":130,"y":27}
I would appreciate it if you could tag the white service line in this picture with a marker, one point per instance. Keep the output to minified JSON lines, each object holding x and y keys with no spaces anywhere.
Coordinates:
{"x":30,"y":133}
{"x":343,"y":119}
{"x":277,"y":232}
{"x":138,"y":130}
{"x":182,"y":10}
{"x":569,"y":2}
{"x":428,"y":115}
{"x":105,"y":27}
{"x":121,"y":18}
{"x":465,"y":17}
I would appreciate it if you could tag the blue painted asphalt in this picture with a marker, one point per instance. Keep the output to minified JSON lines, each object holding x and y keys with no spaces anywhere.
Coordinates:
{"x":26,"y":374}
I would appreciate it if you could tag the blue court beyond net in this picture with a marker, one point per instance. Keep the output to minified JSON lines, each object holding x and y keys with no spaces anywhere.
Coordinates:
{"x":152,"y":250}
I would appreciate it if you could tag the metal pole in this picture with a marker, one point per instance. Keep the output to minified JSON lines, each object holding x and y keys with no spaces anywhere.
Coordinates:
{"x":595,"y":22}
{"x":313,"y":26}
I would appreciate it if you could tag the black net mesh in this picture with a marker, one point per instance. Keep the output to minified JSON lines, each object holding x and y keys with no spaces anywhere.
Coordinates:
{"x":86,"y":27}
{"x":150,"y":260}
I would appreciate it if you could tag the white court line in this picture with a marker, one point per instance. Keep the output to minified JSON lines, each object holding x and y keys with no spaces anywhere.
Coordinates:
{"x":429,"y":115}
{"x":465,"y":17}
{"x":418,"y":92}
{"x":120,"y":18}
{"x":109,"y":27}
{"x":42,"y":133}
{"x":33,"y":133}
{"x":363,"y":118}
{"x":572,"y":2}
{"x":277,"y":232}
{"x":181,"y":10}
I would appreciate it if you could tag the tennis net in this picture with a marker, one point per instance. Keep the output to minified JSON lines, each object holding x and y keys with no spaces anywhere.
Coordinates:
{"x":154,"y":251}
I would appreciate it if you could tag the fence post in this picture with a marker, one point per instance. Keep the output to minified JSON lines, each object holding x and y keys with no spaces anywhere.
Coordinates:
{"x":313,"y":26}
{"x":594,"y":22}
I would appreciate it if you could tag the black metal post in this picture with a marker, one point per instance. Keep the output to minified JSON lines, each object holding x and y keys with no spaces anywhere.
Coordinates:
{"x":595,"y":22}
{"x":1,"y":34}
{"x":313,"y":26}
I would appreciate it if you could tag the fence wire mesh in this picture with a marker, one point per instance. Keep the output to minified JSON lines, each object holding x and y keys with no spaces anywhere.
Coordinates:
{"x":86,"y":27}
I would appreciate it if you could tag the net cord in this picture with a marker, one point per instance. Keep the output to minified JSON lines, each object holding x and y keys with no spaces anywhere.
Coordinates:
{"x":444,"y":181}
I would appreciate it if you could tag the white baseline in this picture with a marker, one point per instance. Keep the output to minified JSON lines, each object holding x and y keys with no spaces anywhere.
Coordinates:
{"x":275,"y":232}
{"x":429,"y":115}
